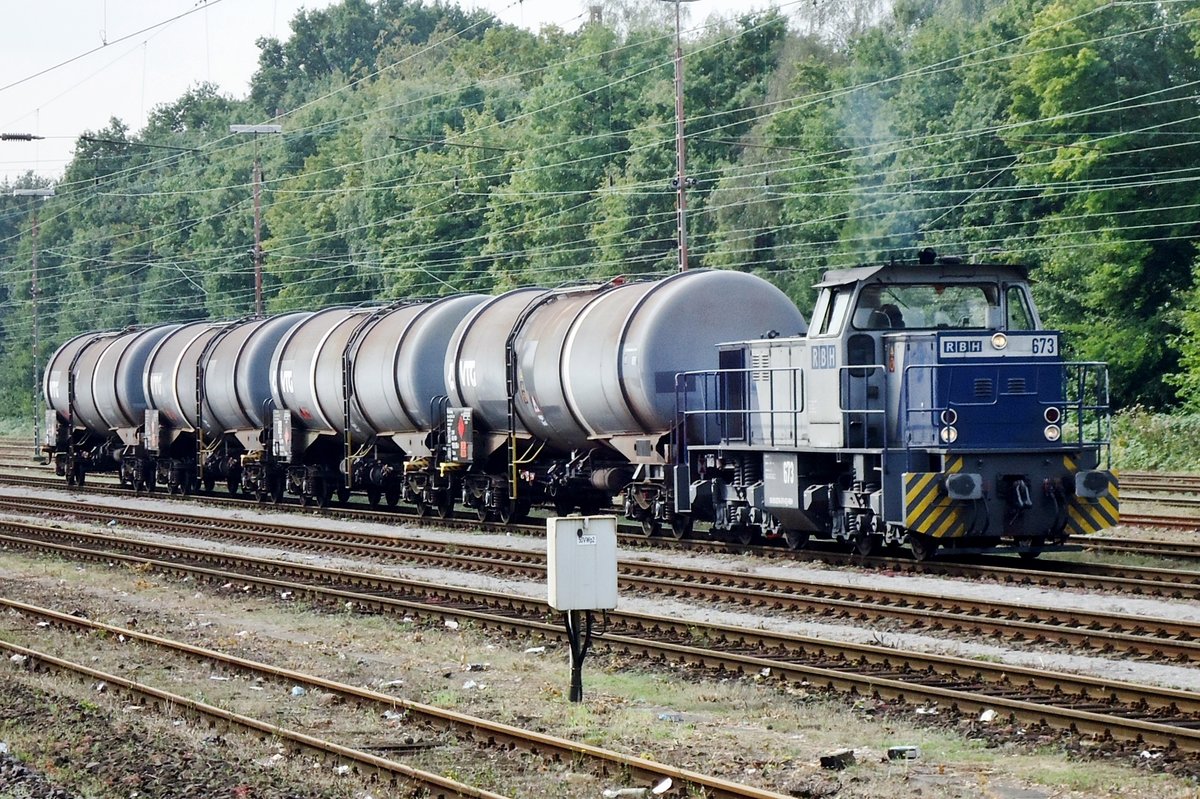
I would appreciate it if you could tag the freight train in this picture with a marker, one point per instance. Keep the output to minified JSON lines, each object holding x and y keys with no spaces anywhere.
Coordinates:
{"x":925,"y":407}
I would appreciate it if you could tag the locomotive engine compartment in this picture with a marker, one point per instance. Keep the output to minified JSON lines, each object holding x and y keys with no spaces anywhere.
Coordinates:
{"x":925,"y":407}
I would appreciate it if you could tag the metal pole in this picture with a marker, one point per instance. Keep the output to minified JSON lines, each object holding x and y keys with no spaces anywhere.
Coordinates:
{"x":37,"y":358}
{"x":35,"y":196}
{"x":258,"y":259}
{"x":255,"y":130}
{"x":680,"y":165}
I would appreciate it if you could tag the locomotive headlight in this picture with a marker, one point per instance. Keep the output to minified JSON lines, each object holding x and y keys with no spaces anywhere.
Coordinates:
{"x":1053,"y":415}
{"x":999,"y":341}
{"x":949,"y":435}
{"x":1053,"y":432}
{"x":949,"y":416}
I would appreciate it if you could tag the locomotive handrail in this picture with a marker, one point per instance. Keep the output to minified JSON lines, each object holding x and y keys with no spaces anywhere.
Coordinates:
{"x":1079,"y":389}
{"x":859,"y":371}
{"x":686,"y":384}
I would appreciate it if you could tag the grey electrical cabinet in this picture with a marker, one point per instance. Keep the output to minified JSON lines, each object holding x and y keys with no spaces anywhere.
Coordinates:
{"x":581,"y":562}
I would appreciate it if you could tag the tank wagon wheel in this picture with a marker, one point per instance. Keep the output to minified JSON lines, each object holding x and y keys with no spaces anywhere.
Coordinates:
{"x":392,"y":496}
{"x":923,"y":546}
{"x":343,"y":495}
{"x":277,"y":491}
{"x":681,"y":526}
{"x":745,"y":535}
{"x":210,"y":482}
{"x":444,"y":507}
{"x":563,"y":505}
{"x":421,"y":505}
{"x":514,"y":511}
{"x":185,"y":485}
{"x":650,"y":527}
{"x":324,"y":493}
{"x":481,"y":512}
{"x":795,"y":539}
{"x":78,"y":472}
{"x":373,"y":497}
{"x":232,"y":485}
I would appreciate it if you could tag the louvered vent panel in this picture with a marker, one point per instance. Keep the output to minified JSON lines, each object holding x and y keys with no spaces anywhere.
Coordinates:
{"x":760,"y":361}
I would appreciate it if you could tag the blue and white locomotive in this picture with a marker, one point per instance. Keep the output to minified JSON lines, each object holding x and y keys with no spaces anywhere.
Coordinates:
{"x":926,"y":405}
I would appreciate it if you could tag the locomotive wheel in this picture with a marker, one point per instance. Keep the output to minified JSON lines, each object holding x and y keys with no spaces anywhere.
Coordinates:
{"x":1034,"y":544}
{"x":373,"y":497}
{"x":514,"y":511}
{"x":681,"y":526}
{"x":922,"y":546}
{"x":795,"y":539}
{"x":865,"y":543}
{"x":651,"y":527}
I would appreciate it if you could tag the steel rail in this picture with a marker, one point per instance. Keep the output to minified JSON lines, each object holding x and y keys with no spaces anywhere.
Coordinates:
{"x":552,"y":749}
{"x":1144,"y":581}
{"x":363,"y":762}
{"x":1140,"y":636}
{"x":1149,"y":715}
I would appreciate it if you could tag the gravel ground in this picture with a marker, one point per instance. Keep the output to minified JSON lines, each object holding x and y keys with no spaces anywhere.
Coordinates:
{"x":749,"y":732}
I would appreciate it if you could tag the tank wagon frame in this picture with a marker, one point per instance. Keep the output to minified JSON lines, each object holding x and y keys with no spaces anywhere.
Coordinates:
{"x":926,"y":406}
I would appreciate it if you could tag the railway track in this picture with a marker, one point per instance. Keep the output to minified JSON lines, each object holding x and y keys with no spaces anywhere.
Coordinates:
{"x":1092,"y":707}
{"x":1145,"y":581}
{"x":469,"y":730}
{"x":1135,"y":636}
{"x":1060,"y":574}
{"x":388,"y":771}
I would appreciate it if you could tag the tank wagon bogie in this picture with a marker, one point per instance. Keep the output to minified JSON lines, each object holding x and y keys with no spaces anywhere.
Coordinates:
{"x":925,"y":407}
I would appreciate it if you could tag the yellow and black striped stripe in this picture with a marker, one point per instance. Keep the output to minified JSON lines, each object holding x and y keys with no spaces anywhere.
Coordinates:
{"x":927,"y":508}
{"x":1086,"y":516}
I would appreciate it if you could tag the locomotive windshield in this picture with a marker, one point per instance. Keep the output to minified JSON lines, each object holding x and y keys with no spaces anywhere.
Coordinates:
{"x":940,"y":306}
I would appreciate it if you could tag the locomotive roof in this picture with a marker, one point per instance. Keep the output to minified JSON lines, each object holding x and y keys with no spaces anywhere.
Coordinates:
{"x":923,"y":273}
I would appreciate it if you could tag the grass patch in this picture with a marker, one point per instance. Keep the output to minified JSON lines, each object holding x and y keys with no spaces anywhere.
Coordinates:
{"x":1146,"y":441}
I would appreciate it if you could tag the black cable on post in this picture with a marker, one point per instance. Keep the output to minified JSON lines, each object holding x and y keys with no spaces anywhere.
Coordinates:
{"x":578,"y":621}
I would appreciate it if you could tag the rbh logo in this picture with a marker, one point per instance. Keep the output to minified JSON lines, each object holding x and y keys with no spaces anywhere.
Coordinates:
{"x":824,"y":356}
{"x":961,"y":346}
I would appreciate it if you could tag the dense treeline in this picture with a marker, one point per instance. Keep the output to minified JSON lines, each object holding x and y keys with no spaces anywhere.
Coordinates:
{"x":429,"y":150}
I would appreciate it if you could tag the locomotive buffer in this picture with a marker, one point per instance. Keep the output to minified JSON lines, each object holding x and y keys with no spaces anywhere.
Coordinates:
{"x":581,"y":577}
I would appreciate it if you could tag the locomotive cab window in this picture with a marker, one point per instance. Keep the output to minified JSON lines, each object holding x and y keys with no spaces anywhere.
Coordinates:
{"x":1019,"y":315}
{"x":929,"y":306}
{"x":832,"y":312}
